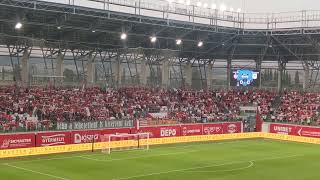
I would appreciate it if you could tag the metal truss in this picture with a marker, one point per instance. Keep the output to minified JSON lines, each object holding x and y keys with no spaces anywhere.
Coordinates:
{"x":314,"y":80}
{"x":238,"y":20}
{"x":16,"y":52}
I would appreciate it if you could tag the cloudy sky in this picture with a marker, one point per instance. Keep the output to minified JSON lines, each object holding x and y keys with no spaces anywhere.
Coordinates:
{"x":253,"y":6}
{"x":272,"y":5}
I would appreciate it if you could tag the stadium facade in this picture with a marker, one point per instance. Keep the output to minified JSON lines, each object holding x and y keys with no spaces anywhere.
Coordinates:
{"x":66,"y":42}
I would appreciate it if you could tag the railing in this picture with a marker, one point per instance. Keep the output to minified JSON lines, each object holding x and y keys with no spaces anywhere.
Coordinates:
{"x":191,"y":13}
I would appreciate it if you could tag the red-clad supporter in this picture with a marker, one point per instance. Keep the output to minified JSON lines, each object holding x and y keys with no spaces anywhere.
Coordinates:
{"x":28,"y":108}
{"x":298,"y":107}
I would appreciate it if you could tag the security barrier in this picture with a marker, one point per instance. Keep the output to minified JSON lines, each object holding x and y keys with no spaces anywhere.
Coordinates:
{"x":8,"y":153}
{"x":155,"y":141}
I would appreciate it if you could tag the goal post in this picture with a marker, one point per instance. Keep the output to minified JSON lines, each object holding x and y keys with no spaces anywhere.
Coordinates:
{"x":123,"y":142}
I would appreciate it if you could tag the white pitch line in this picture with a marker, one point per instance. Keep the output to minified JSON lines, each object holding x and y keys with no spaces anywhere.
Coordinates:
{"x":201,"y":167}
{"x":42,"y":159}
{"x":228,"y":170}
{"x":138,"y":157}
{"x":174,"y":147}
{"x":36,"y":172}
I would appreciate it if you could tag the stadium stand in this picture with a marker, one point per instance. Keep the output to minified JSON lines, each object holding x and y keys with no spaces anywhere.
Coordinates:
{"x":32,"y":108}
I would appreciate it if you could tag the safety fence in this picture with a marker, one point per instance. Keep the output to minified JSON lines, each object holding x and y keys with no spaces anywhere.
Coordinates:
{"x":39,"y":139}
{"x":75,"y":141}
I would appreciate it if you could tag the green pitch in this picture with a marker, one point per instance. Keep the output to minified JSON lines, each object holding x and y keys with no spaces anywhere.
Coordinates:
{"x":256,"y":159}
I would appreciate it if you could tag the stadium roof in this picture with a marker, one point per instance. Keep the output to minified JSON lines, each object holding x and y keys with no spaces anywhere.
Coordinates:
{"x":226,"y":36}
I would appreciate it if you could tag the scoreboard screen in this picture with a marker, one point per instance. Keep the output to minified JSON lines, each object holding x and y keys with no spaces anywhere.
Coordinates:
{"x":245,"y":78}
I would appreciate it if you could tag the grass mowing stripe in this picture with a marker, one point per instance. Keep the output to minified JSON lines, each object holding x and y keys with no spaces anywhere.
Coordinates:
{"x":210,"y":153}
{"x":157,"y":147}
{"x":36,"y":172}
{"x":251,"y":164}
{"x":138,"y":157}
{"x":201,"y":167}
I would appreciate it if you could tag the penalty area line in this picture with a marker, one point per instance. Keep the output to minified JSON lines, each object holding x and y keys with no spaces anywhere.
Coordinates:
{"x":251,"y":164}
{"x":138,"y":157}
{"x":206,"y":166}
{"x":35,"y":172}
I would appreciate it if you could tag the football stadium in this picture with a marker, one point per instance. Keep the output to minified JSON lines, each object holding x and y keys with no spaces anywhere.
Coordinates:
{"x":159,"y":89}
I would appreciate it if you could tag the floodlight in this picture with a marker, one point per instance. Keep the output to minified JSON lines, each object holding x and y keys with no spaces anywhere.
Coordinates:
{"x":18,"y":25}
{"x":238,"y":10}
{"x":199,"y":4}
{"x":153,"y":39}
{"x":200,"y":44}
{"x":178,"y":41}
{"x":123,"y":36}
{"x":205,"y":5}
{"x":213,"y":6}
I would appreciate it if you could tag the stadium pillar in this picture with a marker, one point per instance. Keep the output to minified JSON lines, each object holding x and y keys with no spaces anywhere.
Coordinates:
{"x":118,"y":70}
{"x":188,"y":75}
{"x":229,"y":73}
{"x":258,"y":68}
{"x":165,"y":73}
{"x":306,"y":76}
{"x":209,"y":76}
{"x":25,"y":67}
{"x":280,"y":75}
{"x":91,"y":69}
{"x":143,"y":72}
{"x":60,"y":65}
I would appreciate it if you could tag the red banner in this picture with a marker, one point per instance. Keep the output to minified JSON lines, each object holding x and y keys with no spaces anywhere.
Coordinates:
{"x":87,"y":136}
{"x":14,"y":141}
{"x":53,"y":139}
{"x":231,"y":127}
{"x":191,"y":130}
{"x":222,"y":128}
{"x":216,"y":128}
{"x":116,"y":131}
{"x":161,"y":131}
{"x":308,"y":131}
{"x":283,"y":129}
{"x":78,"y":137}
{"x":295,"y":130}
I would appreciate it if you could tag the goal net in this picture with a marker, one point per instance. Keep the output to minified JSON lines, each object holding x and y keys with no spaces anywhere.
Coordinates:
{"x":121,"y":142}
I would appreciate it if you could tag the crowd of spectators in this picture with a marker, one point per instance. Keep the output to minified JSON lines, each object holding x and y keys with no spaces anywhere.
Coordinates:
{"x":298,"y":108}
{"x":23,"y":107}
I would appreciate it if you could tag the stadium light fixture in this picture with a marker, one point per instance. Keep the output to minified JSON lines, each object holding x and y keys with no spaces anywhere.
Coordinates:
{"x":178,"y":41}
{"x":205,"y":5}
{"x":200,"y":43}
{"x":93,"y":31}
{"x":231,"y":9}
{"x":123,"y":36}
{"x":223,"y":7}
{"x":153,"y":39}
{"x":213,"y":6}
{"x":238,"y":10}
{"x":188,"y":2}
{"x":18,"y":25}
{"x":59,"y":27}
{"x":199,"y":4}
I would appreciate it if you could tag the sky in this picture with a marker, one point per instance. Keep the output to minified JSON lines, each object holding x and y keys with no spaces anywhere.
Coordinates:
{"x":268,"y":6}
{"x":251,"y":6}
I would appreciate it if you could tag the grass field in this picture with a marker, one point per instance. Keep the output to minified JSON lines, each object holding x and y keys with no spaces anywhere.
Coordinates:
{"x":255,"y":159}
